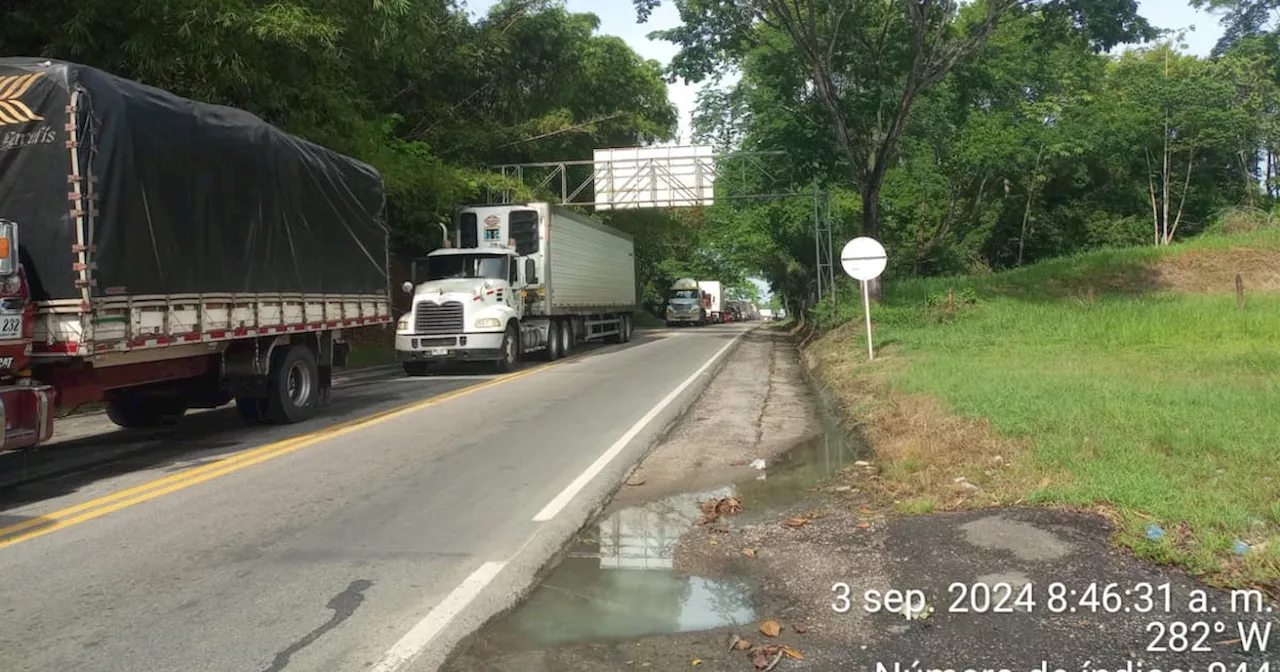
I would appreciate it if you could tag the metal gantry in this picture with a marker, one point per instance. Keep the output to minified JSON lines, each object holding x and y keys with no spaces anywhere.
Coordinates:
{"x":684,"y":177}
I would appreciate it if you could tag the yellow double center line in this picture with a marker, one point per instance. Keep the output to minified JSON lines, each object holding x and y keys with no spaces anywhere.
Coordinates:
{"x":74,"y":515}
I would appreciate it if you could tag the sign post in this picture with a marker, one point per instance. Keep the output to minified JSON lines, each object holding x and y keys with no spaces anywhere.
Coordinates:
{"x":864,"y":260}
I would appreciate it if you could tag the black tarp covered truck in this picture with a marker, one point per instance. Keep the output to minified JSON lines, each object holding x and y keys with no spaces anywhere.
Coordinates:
{"x":161,"y":254}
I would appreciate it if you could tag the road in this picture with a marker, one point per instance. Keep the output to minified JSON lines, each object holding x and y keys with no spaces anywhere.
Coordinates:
{"x":346,"y":543}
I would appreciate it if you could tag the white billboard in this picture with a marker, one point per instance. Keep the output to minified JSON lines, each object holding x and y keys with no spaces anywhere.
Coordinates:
{"x":654,"y":177}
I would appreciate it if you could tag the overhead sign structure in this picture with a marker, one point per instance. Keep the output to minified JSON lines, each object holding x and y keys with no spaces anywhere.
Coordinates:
{"x":864,"y":259}
{"x":629,"y":178}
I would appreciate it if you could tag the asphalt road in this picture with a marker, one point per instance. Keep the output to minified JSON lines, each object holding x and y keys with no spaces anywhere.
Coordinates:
{"x":347,"y":543}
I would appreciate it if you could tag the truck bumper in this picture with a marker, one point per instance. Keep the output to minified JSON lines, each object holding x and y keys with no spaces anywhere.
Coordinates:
{"x":474,"y":347}
{"x":28,"y":415}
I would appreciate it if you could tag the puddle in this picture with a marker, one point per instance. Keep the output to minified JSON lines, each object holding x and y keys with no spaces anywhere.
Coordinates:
{"x":618,"y":583}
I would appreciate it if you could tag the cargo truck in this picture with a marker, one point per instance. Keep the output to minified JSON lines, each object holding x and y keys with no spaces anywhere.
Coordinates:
{"x":713,"y":299}
{"x":517,"y":279}
{"x":159,"y":254}
{"x":684,"y":304}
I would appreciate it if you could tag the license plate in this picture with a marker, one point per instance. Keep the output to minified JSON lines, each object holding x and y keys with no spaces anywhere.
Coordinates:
{"x":438,"y":352}
{"x":10,"y":327}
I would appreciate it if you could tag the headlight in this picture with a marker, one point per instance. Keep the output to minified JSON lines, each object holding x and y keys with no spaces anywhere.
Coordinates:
{"x":402,"y":324}
{"x":488,"y":323}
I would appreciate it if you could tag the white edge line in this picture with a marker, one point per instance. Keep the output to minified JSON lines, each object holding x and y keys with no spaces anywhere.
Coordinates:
{"x":416,"y":640}
{"x":561,"y":500}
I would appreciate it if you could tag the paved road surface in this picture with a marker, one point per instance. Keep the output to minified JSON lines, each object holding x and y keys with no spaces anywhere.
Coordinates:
{"x":340,"y":544}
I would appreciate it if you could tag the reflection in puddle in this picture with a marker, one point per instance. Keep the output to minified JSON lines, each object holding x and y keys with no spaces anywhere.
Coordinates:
{"x":620,"y":585}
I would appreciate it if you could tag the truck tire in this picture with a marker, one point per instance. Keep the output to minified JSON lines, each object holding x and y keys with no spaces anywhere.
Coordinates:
{"x":293,"y":386}
{"x":566,"y":337}
{"x":417,"y":369}
{"x":555,"y":346}
{"x":510,"y":355}
{"x":626,"y":329}
{"x":251,"y":410}
{"x":132,"y":412}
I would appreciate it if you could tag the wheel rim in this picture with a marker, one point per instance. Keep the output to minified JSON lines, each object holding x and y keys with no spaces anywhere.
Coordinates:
{"x":299,"y":383}
{"x":511,"y":349}
{"x":564,"y":338}
{"x":553,"y":340}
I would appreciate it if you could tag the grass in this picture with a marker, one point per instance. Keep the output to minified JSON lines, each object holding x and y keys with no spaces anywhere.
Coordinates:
{"x":1127,"y":381}
{"x":645,"y":319}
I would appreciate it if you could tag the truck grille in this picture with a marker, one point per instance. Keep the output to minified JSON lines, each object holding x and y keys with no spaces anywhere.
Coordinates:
{"x":431,"y":318}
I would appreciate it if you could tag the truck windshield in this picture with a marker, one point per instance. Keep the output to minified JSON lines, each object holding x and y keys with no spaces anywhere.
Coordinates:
{"x":488,"y":266}
{"x":684,"y":294}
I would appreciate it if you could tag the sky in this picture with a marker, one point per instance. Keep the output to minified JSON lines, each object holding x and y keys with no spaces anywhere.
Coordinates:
{"x":618,"y":17}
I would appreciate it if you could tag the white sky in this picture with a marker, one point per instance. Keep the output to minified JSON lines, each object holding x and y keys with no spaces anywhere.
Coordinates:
{"x":618,"y":17}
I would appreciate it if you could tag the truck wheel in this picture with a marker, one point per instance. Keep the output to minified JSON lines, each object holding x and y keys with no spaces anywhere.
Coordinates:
{"x":510,"y":355}
{"x":554,"y":345}
{"x":565,"y":334}
{"x":132,"y":412}
{"x":626,"y":328}
{"x":417,"y":369}
{"x":293,"y":387}
{"x":251,"y":409}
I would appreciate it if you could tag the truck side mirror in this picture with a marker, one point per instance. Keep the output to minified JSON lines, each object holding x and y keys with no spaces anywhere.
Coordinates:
{"x":407,"y":287}
{"x":530,"y":272}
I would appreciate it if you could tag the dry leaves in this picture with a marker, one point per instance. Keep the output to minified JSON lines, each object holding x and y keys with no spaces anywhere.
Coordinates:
{"x":697,"y":662}
{"x":766,"y":657}
{"x":749,"y":552}
{"x":712,"y":509}
{"x":800,"y":628}
{"x":795,"y":522}
{"x":770,"y":628}
{"x":862,"y":525}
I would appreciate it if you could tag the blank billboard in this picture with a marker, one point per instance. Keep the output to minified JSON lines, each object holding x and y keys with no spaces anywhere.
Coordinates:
{"x":654,"y":177}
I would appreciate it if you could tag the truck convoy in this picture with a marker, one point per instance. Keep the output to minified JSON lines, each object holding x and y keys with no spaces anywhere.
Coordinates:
{"x":518,"y":278}
{"x":161,"y":254}
{"x":684,"y":304}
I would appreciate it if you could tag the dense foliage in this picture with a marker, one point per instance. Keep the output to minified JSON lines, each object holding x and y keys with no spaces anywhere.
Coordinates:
{"x":969,"y":137}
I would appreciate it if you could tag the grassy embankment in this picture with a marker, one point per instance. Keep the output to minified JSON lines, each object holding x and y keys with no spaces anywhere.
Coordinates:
{"x":1126,"y":381}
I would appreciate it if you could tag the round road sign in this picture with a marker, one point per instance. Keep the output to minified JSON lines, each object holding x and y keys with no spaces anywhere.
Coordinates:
{"x":863,"y":258}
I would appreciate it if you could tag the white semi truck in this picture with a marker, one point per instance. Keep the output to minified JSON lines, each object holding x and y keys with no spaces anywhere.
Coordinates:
{"x":517,"y":279}
{"x":713,"y":299}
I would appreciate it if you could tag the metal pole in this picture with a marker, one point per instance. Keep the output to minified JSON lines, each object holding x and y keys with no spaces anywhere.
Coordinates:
{"x":866,"y":310}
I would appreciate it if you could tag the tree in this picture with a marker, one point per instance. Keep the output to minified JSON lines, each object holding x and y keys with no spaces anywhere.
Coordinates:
{"x":866,"y":64}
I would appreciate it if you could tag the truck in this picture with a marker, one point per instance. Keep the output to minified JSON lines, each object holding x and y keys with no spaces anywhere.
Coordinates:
{"x":516,"y":279}
{"x":160,"y":254}
{"x":712,"y":300}
{"x":684,"y":304}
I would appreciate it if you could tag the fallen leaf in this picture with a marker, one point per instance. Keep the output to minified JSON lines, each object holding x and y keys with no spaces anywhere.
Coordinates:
{"x":862,"y":525}
{"x":708,"y":519}
{"x":795,"y":522}
{"x":749,"y":552}
{"x":713,"y":542}
{"x":742,"y":644}
{"x":1044,"y":482}
{"x":865,"y":510}
{"x":792,"y":653}
{"x":770,"y":628}
{"x":639,"y":481}
{"x":697,"y":661}
{"x":800,"y":628}
{"x":759,"y":659}
{"x":728,"y":506}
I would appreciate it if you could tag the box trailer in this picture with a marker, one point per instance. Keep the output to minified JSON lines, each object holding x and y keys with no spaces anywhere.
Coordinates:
{"x":518,"y":279}
{"x":161,"y":254}
{"x":713,"y":299}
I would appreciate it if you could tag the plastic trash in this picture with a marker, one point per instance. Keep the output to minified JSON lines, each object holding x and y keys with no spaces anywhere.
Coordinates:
{"x":1154,"y":533}
{"x":758,"y":464}
{"x":1240,"y":547}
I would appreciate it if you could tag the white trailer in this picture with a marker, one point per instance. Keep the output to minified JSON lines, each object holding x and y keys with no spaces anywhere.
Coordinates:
{"x":713,"y":300}
{"x":517,"y":279}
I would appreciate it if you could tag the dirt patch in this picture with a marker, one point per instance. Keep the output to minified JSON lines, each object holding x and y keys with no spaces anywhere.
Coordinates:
{"x":1215,"y":271}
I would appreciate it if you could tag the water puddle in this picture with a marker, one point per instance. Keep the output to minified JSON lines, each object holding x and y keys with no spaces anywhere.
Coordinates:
{"x":618,"y":581}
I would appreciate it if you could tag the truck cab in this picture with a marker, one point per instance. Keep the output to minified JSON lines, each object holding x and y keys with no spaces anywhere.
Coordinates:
{"x":466,"y":308}
{"x":685,"y":303}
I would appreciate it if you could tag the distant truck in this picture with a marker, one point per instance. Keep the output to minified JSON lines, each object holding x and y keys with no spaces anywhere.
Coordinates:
{"x":684,"y":304}
{"x":517,"y":279}
{"x":160,"y":254}
{"x":766,"y":314}
{"x":712,"y":300}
